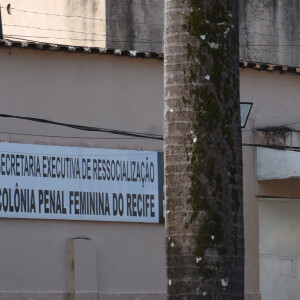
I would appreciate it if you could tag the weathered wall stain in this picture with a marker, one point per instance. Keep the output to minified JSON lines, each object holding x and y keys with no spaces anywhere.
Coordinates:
{"x":135,"y":25}
{"x":269,"y":31}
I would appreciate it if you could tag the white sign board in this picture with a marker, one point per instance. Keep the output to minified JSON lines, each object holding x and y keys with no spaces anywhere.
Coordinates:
{"x":72,"y":183}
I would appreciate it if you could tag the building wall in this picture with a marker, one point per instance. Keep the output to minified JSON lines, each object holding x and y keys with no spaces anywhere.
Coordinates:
{"x":94,"y":90}
{"x":86,"y":89}
{"x":275,"y":104}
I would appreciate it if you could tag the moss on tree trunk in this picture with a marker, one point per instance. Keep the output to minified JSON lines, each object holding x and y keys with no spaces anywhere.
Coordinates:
{"x":204,"y":226}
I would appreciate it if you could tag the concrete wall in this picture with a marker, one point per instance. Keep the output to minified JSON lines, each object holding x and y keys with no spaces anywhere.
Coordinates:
{"x":269,"y":31}
{"x":135,"y":25}
{"x":92,"y":90}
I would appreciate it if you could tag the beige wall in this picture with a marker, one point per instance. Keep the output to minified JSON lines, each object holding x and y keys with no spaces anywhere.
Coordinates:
{"x":121,"y":93}
{"x":33,"y":255}
{"x":87,"y":89}
{"x":275,"y":100}
{"x":93,"y":90}
{"x":118,"y":24}
{"x":56,"y":26}
{"x":275,"y":96}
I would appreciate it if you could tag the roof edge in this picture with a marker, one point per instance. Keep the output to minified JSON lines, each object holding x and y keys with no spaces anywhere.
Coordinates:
{"x":78,"y":49}
{"x":259,"y":66}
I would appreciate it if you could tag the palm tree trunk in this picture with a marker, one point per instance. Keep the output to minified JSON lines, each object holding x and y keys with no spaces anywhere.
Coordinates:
{"x":203,"y":159}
